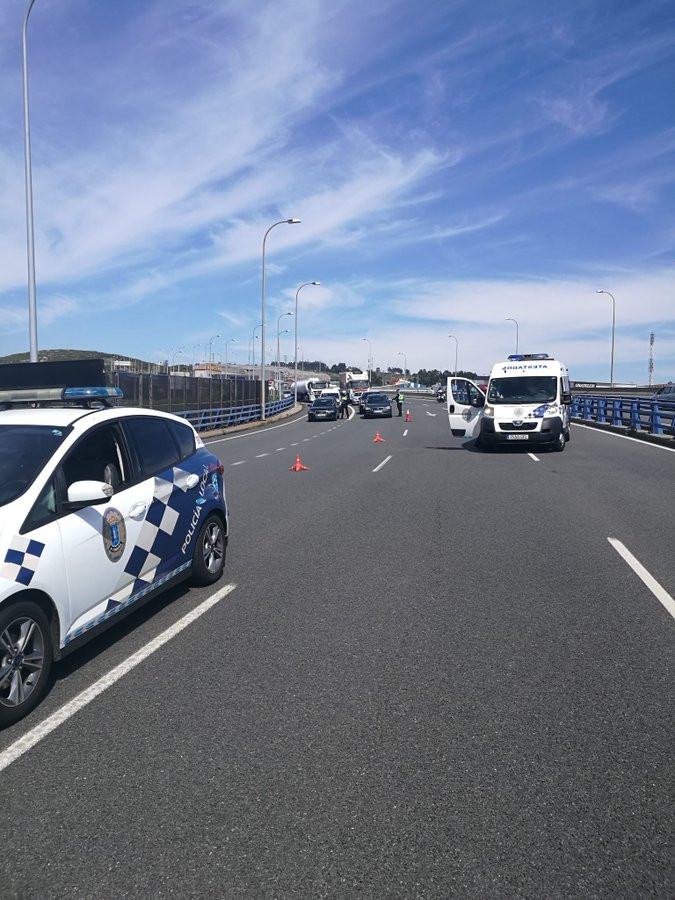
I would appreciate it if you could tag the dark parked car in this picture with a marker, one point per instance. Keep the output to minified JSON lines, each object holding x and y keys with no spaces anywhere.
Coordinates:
{"x":323,"y":408}
{"x":362,"y":400}
{"x":377,"y":405}
{"x":666,"y":394}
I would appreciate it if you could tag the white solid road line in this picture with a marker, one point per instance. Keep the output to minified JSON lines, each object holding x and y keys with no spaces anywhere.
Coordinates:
{"x":659,"y":592}
{"x":383,"y":463}
{"x":625,"y":437}
{"x":32,"y":737}
{"x":535,"y":458}
{"x":264,"y":429}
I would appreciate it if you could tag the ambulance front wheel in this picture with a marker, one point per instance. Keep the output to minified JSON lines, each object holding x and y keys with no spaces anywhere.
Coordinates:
{"x":25,"y":659}
{"x":209,"y":559}
{"x":559,"y":442}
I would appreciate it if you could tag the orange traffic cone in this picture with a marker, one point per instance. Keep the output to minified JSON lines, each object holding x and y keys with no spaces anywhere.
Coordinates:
{"x":297,"y":465}
{"x":378,"y":438}
{"x":407,"y":416}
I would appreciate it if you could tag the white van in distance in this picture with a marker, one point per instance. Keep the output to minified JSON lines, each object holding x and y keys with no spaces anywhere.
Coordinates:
{"x":528,"y":401}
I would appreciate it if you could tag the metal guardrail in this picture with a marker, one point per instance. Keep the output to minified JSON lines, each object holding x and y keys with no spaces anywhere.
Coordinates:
{"x":633,"y":413}
{"x":213,"y":419}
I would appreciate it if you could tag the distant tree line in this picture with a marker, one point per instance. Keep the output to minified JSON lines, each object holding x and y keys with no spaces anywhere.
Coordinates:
{"x":429,"y":377}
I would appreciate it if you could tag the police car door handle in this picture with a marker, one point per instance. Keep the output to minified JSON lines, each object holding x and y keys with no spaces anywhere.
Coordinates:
{"x":192,"y":480}
{"x":138,"y":510}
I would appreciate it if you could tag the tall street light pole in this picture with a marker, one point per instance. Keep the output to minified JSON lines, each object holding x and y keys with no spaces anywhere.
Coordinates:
{"x":456,"y":350}
{"x":278,"y":350}
{"x":370,"y":358}
{"x":262,"y":317}
{"x":30,"y":239}
{"x":296,"y":337}
{"x":611,"y":367}
{"x":509,"y":319}
{"x":405,"y":362}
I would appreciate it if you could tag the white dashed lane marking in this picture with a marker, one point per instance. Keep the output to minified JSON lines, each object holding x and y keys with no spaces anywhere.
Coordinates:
{"x":383,"y":463}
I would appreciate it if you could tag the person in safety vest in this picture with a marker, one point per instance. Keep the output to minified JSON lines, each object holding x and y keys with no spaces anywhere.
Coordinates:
{"x":398,"y":397}
{"x":344,"y":405}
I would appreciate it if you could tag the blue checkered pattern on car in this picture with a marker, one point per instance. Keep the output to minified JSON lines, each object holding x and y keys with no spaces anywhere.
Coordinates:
{"x":21,"y":560}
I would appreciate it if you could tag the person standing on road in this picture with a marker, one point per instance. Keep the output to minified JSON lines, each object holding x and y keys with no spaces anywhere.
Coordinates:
{"x":344,"y":405}
{"x":398,"y":397}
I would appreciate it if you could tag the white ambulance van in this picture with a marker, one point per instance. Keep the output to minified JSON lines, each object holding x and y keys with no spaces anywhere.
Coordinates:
{"x":527,"y":402}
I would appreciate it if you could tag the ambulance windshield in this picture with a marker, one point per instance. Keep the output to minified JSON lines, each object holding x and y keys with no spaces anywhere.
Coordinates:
{"x":523,"y":389}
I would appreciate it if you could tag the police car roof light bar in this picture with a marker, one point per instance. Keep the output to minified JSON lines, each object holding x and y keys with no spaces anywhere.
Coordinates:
{"x":82,"y":396}
{"x":519,"y":356}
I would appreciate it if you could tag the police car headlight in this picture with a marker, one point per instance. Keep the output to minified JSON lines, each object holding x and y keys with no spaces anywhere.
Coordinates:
{"x":552,"y":411}
{"x":489,"y":411}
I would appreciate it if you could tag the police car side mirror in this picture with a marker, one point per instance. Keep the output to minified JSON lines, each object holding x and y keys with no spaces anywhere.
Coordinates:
{"x":87,"y":493}
{"x":566,"y":397}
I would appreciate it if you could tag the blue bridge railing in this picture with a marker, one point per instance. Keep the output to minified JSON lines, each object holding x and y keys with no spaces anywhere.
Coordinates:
{"x":633,"y":413}
{"x":213,"y":419}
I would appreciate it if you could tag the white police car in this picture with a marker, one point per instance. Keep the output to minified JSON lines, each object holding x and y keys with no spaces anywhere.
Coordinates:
{"x":100,"y":508}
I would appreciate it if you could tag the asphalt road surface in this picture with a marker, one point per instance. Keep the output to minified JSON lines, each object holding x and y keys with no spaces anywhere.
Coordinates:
{"x":436,"y":676}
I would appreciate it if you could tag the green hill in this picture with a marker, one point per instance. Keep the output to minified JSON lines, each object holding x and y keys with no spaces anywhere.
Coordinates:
{"x":58,"y":355}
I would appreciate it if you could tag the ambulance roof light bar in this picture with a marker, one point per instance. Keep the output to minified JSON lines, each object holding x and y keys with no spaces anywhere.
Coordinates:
{"x":519,"y":356}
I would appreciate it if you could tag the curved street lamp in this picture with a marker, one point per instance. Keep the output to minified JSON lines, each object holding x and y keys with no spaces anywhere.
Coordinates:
{"x":252,"y":345}
{"x":262,"y":316}
{"x":611,"y":365}
{"x":296,"y":336}
{"x":509,"y":319}
{"x":230,"y":341}
{"x":405,"y":362}
{"x":370,"y":358}
{"x":210,"y":364}
{"x":285,"y":331}
{"x":456,"y":350}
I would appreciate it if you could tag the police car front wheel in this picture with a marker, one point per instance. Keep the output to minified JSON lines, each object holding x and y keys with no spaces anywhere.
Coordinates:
{"x":25,"y":659}
{"x":209,"y":559}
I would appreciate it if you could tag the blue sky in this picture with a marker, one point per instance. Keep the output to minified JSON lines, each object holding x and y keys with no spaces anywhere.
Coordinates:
{"x":453,"y":164}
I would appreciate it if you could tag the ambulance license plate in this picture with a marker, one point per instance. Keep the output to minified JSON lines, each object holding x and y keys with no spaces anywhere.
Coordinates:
{"x":517,"y":437}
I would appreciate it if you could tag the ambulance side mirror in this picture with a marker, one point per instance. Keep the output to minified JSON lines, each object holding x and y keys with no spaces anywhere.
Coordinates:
{"x":566,"y":397}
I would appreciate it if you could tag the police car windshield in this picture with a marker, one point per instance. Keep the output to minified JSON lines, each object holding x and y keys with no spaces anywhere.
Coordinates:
{"x":24,"y":451}
{"x":523,"y":389}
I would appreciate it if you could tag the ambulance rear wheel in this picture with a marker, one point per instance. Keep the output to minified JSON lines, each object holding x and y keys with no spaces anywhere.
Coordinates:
{"x":25,"y":659}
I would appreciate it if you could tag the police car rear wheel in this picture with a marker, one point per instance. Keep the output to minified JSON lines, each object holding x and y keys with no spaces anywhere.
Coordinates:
{"x":209,"y":559}
{"x":25,"y":659}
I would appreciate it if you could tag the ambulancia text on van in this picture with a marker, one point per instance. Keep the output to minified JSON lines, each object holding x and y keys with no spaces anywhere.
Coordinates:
{"x":527,"y":401}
